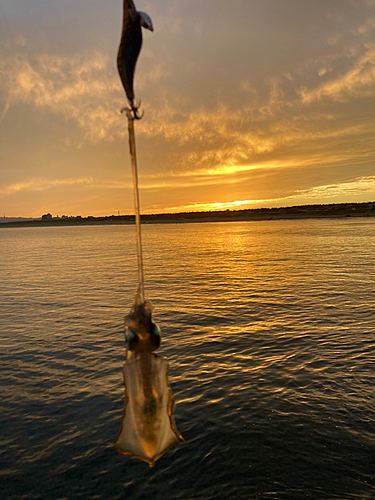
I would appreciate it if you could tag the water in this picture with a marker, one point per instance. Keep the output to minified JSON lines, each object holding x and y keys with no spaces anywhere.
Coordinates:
{"x":269,"y":330}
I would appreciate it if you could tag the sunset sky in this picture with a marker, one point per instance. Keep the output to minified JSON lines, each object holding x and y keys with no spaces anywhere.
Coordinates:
{"x":248,"y":103}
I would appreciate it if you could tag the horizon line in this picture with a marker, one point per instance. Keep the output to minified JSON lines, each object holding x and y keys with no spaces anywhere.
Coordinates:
{"x":64,"y":217}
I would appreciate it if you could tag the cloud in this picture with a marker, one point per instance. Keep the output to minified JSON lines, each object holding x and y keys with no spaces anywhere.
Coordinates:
{"x":322,"y":193}
{"x":228,"y":98}
{"x":359,"y":81}
{"x":224,"y":141}
{"x":368,"y":26}
{"x":6,"y":65}
{"x":79,"y":88}
{"x":43,"y":184}
{"x":231,"y":205}
{"x":39,"y":184}
{"x":84,"y":90}
{"x":354,"y":187}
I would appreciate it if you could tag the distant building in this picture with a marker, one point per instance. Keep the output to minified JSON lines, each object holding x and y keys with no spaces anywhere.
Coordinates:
{"x":47,"y":217}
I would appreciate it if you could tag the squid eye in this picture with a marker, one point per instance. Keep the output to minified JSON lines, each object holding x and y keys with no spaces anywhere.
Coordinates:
{"x":156,"y":330}
{"x":129,"y":333}
{"x":131,"y":339}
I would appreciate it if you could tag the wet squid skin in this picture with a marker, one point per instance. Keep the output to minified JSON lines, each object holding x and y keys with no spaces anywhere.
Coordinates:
{"x":148,"y":429}
{"x":142,"y":336}
{"x":130,"y":46}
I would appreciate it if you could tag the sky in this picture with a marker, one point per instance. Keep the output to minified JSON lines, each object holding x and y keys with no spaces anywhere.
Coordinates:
{"x":247,"y":104}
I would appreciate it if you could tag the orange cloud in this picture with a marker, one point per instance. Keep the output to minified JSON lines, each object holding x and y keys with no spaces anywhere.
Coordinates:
{"x":43,"y":184}
{"x":306,"y":196}
{"x":358,"y":186}
{"x":357,"y":82}
{"x":78,"y":88}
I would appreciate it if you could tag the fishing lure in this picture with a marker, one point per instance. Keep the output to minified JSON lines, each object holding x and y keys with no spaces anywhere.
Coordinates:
{"x":130,"y":47}
{"x":147,"y":430}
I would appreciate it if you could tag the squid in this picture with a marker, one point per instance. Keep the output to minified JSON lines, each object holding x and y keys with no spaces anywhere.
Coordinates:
{"x":148,"y":429}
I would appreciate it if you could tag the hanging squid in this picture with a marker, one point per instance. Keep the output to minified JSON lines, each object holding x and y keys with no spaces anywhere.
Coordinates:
{"x":147,"y":430}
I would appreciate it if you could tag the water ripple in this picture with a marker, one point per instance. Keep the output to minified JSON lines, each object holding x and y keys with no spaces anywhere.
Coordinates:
{"x":268,"y":328}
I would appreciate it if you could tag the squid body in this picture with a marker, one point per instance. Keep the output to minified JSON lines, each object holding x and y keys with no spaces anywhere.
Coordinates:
{"x":148,"y":429}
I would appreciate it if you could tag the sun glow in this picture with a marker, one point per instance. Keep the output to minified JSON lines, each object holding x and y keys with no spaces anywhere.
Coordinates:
{"x":291,"y":126}
{"x":218,"y":206}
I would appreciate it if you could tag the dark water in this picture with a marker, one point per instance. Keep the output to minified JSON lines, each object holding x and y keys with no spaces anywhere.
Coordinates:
{"x":269,"y":330}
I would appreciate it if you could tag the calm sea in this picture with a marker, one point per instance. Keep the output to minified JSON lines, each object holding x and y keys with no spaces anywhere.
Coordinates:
{"x":269,"y":331}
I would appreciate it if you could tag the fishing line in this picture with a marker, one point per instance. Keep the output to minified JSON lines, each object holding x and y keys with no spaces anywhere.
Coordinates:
{"x":133,"y":154}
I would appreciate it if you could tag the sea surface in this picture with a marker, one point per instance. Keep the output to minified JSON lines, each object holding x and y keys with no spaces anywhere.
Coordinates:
{"x":269,"y":329}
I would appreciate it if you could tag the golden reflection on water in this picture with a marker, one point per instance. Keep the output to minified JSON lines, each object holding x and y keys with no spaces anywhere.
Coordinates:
{"x":267,"y":328}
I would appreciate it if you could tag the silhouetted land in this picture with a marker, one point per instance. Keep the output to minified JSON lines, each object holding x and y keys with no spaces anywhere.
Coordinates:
{"x":297,"y":212}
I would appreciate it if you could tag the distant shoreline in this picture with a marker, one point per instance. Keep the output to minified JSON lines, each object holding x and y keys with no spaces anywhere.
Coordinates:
{"x":335,"y":211}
